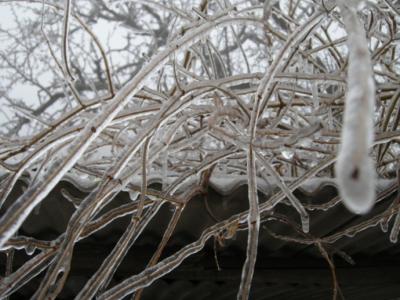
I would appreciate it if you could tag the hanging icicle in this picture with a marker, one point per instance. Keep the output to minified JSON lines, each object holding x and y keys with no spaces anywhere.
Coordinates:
{"x":355,"y":169}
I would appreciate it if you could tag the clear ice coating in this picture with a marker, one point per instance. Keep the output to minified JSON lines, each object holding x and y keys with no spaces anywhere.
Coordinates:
{"x":394,"y":234}
{"x":174,"y":101}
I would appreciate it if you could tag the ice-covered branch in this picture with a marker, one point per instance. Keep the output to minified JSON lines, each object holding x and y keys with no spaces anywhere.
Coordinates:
{"x":187,"y":97}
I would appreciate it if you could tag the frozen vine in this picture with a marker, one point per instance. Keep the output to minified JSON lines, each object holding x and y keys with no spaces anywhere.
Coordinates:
{"x":268,"y":93}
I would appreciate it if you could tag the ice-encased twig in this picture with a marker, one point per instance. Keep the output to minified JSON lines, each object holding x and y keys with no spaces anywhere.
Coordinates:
{"x":167,"y":265}
{"x":61,"y":137}
{"x":355,"y":169}
{"x":22,"y":207}
{"x":253,"y":223}
{"x":260,"y":101}
{"x":102,"y":276}
{"x":305,"y":219}
{"x":167,"y":235}
{"x":24,"y":274}
{"x":207,"y":163}
{"x":195,"y":142}
{"x":34,"y":266}
{"x":96,"y":200}
{"x":65,"y":54}
{"x":394,"y":233}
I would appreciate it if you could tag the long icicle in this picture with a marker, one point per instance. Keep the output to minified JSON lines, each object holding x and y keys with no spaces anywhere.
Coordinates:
{"x":355,"y":169}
